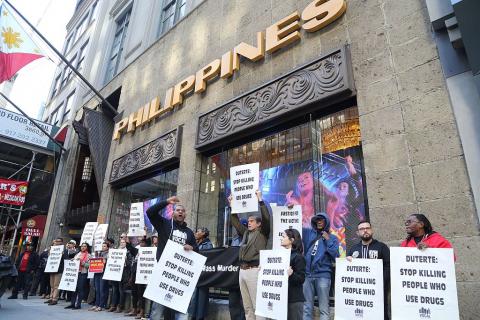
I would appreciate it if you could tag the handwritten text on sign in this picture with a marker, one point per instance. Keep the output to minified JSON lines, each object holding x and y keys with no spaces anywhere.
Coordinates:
{"x":115,"y":264}
{"x":136,"y":224}
{"x":54,"y":259}
{"x":88,"y":233}
{"x":244,"y":181}
{"x":146,"y":264}
{"x":285,"y":218}
{"x":70,"y":275}
{"x":99,"y":236}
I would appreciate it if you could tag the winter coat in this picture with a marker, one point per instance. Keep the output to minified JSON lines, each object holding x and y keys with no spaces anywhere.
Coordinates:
{"x":296,"y":280}
{"x":32,"y":264}
{"x":433,"y":240}
{"x":205,"y":244}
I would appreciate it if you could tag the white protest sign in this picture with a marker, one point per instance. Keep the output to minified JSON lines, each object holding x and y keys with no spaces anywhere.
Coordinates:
{"x":88,"y":233}
{"x":70,"y":275}
{"x":285,"y":218}
{"x":359,"y":289}
{"x":174,"y":277}
{"x":99,"y":236}
{"x":423,"y":284}
{"x":245,"y":180}
{"x":136,"y":224}
{"x":54,"y":259}
{"x":146,"y":262}
{"x":272,"y":284}
{"x":115,"y":263}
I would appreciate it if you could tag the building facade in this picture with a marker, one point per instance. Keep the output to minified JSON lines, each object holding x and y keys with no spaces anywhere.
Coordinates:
{"x":349,"y":113}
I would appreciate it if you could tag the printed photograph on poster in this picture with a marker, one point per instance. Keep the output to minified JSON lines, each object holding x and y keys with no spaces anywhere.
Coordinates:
{"x":244,"y":184}
{"x":99,"y":236}
{"x":285,"y":218}
{"x":359,"y":289}
{"x":423,"y":284}
{"x":272,"y":284}
{"x":145,"y":264}
{"x":96,"y":265}
{"x":70,"y":275}
{"x":115,"y":264}
{"x":175,"y":277}
{"x":88,"y":233}
{"x":136,"y":224}
{"x":54,"y":259}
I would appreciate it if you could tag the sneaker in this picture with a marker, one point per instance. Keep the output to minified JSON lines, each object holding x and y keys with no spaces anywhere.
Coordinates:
{"x":98,"y":309}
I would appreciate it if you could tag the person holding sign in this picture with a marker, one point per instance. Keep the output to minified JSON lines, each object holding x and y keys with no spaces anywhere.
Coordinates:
{"x":321,"y":249}
{"x":255,"y":238}
{"x":369,"y":248}
{"x":292,"y":240}
{"x":79,"y":294}
{"x":420,"y":234}
{"x":57,"y":276}
{"x":101,"y":286}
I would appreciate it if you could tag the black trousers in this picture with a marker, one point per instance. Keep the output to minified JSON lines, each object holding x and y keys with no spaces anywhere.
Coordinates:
{"x":235,"y":305}
{"x":24,"y":282}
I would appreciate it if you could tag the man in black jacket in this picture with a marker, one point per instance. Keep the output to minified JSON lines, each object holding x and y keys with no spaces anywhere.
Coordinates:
{"x":174,"y":229}
{"x":369,"y":248}
{"x":26,"y":264}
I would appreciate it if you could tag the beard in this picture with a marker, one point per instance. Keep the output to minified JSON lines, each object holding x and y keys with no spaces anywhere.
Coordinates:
{"x":366,"y":237}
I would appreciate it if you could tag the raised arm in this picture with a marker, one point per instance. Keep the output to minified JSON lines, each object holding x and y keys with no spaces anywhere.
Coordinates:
{"x":154,"y":213}
{"x":265,"y":227}
{"x":241,"y":229}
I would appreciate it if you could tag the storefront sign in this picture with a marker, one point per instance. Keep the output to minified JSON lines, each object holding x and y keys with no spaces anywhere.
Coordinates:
{"x":285,"y":218}
{"x":88,"y":233}
{"x":175,"y":277}
{"x":99,"y":236}
{"x":12,"y":191}
{"x":70,"y":275}
{"x":272,"y":285}
{"x":146,"y":262}
{"x":245,"y":182}
{"x":136,"y":224}
{"x":115,"y":264}
{"x":423,"y":284}
{"x":96,"y":265}
{"x":34,"y":226}
{"x":315,"y":16}
{"x":359,"y":289}
{"x":54,"y":259}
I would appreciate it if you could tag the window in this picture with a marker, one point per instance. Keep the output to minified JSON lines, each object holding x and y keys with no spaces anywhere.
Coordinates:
{"x":68,"y":107}
{"x":173,"y":11}
{"x":68,"y":43}
{"x":67,"y":72}
{"x":55,"y":85}
{"x":117,"y":46}
{"x":81,"y":27}
{"x":92,"y":12}
{"x":81,"y":56}
{"x":55,"y":117}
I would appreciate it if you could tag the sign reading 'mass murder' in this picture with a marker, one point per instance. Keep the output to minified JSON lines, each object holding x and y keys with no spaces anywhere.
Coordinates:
{"x":245,"y":181}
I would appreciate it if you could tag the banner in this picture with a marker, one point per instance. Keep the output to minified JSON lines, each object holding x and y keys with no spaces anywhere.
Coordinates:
{"x":54,"y":259}
{"x":285,"y":218}
{"x":221,"y":268}
{"x":88,"y":233}
{"x":18,"y":127}
{"x":146,"y":262}
{"x":99,"y":236}
{"x":359,"y":289}
{"x":70,"y":275}
{"x":272,"y":284}
{"x":96,"y":265}
{"x":423,"y":284}
{"x":34,"y":226}
{"x":175,"y":277}
{"x":115,"y":264}
{"x":12,"y":191}
{"x":136,"y":224}
{"x":245,"y":180}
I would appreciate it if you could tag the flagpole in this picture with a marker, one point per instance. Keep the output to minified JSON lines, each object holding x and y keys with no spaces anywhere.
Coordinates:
{"x":104,"y":101}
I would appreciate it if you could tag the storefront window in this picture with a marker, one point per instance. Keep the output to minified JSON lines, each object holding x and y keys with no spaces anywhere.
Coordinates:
{"x":317,"y":165}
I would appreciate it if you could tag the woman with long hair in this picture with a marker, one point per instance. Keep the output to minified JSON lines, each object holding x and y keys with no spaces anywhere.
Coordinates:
{"x":420,"y":234}
{"x":79,"y":294}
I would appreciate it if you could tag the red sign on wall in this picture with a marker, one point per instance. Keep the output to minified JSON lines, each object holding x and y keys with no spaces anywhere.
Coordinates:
{"x":34,"y":226}
{"x":13,"y":192}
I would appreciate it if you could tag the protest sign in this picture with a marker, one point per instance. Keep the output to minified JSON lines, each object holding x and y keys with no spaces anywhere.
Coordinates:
{"x":221,"y":268}
{"x":359,"y":289}
{"x":174,"y":277}
{"x":285,"y":218}
{"x":146,"y":262}
{"x":99,"y":236}
{"x":136,"y":224}
{"x":272,"y":284}
{"x":244,"y":181}
{"x":423,"y":284}
{"x":96,"y":265}
{"x":54,"y":259}
{"x":70,"y":275}
{"x":88,"y":233}
{"x":115,"y":263}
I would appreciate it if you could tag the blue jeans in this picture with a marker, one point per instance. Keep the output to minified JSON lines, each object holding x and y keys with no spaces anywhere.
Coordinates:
{"x":157,"y":312}
{"x":322,"y":287}
{"x":79,"y":294}
{"x":101,"y":290}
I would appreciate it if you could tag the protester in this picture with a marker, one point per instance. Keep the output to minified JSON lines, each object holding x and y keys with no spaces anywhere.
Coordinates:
{"x":203,"y":242}
{"x":176,"y":230}
{"x":79,"y":294}
{"x":57,"y":276}
{"x":138,"y":301}
{"x":255,"y":238}
{"x":369,"y":248}
{"x":72,"y":251}
{"x":41,"y":278}
{"x":321,"y":249}
{"x":26,"y":264}
{"x":235,"y":303}
{"x":292,"y":240}
{"x":118,"y":289}
{"x":101,"y":286}
{"x":420,"y":234}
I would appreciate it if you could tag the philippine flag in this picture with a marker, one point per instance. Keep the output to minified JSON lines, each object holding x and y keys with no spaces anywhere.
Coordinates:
{"x":16,"y":48}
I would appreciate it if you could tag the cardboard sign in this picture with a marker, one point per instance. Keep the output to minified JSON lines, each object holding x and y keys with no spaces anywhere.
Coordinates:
{"x":136,"y":224}
{"x":245,"y":181}
{"x":147,"y":260}
{"x":115,"y":264}
{"x":96,"y":265}
{"x":54,"y":259}
{"x":88,"y":233}
{"x":272,"y":285}
{"x":99,"y":236}
{"x":359,"y":289}
{"x":423,"y":284}
{"x":174,"y":277}
{"x":70,"y":275}
{"x":285,"y":218}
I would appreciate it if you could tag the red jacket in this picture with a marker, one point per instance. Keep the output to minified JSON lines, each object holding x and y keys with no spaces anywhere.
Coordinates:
{"x":434,"y":240}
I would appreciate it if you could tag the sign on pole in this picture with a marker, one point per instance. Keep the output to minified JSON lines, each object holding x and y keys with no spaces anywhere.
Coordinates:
{"x":285,"y":218}
{"x":115,"y":263}
{"x":245,"y":181}
{"x":88,"y":233}
{"x":136,"y":224}
{"x":359,"y":289}
{"x":272,"y":284}
{"x":174,"y":277}
{"x":13,"y":191}
{"x":99,"y":236}
{"x":54,"y":259}
{"x":146,"y":262}
{"x":70,"y":275}
{"x":423,"y":284}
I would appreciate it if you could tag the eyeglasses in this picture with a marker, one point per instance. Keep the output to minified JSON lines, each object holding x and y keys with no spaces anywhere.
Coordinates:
{"x":365,"y":229}
{"x":408,"y":222}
